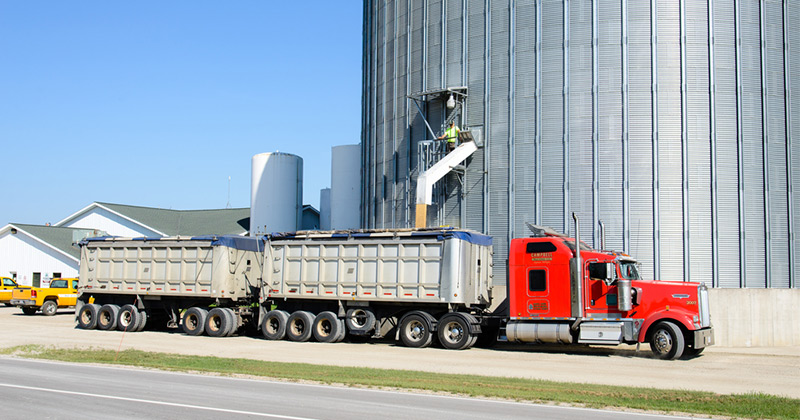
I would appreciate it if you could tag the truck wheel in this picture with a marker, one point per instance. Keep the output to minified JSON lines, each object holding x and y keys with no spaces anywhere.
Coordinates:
{"x":194,"y":321}
{"x":327,"y":327}
{"x":274,"y":325}
{"x":128,"y":318}
{"x":360,"y":321}
{"x":107,"y":317}
{"x":454,"y":332}
{"x":299,"y":326}
{"x":233,"y":323}
{"x":87,"y":316}
{"x":217,"y":323}
{"x":141,"y":321}
{"x":415,"y":331}
{"x":49,"y":308}
{"x":667,"y":341}
{"x":29,"y":310}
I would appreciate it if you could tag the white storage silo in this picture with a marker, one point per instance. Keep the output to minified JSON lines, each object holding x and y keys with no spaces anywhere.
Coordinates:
{"x":276,"y":193}
{"x":346,"y":187}
{"x":325,"y":209}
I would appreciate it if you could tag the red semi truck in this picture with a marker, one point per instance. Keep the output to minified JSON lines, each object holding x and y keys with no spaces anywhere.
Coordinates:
{"x":415,"y":285}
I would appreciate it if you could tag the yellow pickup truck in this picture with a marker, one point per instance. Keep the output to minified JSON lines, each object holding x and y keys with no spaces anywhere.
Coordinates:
{"x":62,"y":293}
{"x":7,"y":284}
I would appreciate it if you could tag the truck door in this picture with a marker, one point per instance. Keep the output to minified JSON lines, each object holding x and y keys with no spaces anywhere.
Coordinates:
{"x":601,"y":297}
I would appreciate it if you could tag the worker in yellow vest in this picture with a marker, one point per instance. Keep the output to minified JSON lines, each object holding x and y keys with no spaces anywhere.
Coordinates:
{"x":450,"y":136}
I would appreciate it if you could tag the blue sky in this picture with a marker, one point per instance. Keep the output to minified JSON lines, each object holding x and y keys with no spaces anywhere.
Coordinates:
{"x":157,"y":103}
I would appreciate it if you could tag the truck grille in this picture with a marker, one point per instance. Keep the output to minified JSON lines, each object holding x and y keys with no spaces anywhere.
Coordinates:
{"x":705,"y":315}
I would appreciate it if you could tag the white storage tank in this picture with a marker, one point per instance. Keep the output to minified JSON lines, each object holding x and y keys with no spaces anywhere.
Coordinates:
{"x":325,"y":209}
{"x":346,"y":187}
{"x":276,"y":193}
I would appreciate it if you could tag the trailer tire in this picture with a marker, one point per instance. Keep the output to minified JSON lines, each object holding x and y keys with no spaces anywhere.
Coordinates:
{"x":218,"y":322}
{"x":299,"y":326}
{"x":107,"y":317}
{"x":274,"y":325}
{"x":454,"y":332}
{"x":194,"y":321}
{"x":87,"y":316}
{"x":666,"y":341}
{"x":360,"y":321}
{"x":328,"y":327}
{"x":49,"y":308}
{"x":141,"y":321}
{"x":415,"y":331}
{"x":233,"y":322}
{"x":128,"y":318}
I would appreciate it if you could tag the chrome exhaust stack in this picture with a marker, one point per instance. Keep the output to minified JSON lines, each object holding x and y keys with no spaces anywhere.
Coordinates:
{"x":576,"y":273}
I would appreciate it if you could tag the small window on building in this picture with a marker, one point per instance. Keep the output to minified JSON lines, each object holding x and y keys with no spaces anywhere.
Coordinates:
{"x":37,"y":280}
{"x":537,"y":280}
{"x":56,"y":275}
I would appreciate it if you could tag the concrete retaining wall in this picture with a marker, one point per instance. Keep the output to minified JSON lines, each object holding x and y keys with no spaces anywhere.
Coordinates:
{"x":746,"y":317}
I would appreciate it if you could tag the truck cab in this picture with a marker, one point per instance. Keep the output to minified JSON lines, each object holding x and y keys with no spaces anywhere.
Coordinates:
{"x":7,"y":284}
{"x":604,"y":302}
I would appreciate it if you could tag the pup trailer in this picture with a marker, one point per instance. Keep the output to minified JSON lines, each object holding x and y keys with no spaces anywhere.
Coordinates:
{"x":416,"y":286}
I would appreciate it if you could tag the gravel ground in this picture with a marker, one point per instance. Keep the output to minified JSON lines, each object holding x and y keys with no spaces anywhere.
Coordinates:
{"x":773,"y":370}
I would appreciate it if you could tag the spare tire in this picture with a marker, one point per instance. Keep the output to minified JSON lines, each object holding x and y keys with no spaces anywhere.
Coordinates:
{"x":360,"y":321}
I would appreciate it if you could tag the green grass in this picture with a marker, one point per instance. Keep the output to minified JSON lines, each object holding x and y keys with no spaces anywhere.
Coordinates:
{"x":516,"y":389}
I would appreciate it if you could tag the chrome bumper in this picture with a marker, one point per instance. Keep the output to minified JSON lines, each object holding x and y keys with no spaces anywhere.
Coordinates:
{"x":703,"y":338}
{"x":23,"y":302}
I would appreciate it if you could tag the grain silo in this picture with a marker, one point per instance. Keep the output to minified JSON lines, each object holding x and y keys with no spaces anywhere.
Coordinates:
{"x":276,"y":193}
{"x":672,"y":121}
{"x":345,"y":182}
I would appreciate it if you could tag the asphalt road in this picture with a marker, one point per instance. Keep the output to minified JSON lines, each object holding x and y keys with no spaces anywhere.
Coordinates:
{"x":42,"y":389}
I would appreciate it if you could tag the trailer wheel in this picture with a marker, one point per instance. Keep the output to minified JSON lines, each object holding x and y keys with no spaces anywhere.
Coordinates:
{"x":233,"y":323}
{"x":194,"y":321}
{"x":141,"y":321}
{"x":328,"y":327}
{"x":274,"y":325}
{"x":87,"y":316}
{"x":299,"y":326}
{"x":128,"y":318}
{"x":49,"y":308}
{"x":107,"y":317}
{"x":415,"y":331}
{"x":667,"y":341}
{"x":218,"y":322}
{"x":360,"y":321}
{"x":454,"y":332}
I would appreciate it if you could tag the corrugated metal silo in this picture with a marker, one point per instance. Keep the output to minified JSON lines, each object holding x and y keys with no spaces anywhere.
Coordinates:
{"x":276,"y":193}
{"x":672,"y":121}
{"x":345,"y":183}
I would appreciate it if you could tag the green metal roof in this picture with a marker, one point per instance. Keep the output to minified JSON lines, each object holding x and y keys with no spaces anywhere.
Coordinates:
{"x":187,"y":222}
{"x":60,"y":238}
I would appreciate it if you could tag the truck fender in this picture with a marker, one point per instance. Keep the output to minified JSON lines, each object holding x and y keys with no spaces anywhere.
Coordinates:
{"x":432,"y":322}
{"x":682,"y":317}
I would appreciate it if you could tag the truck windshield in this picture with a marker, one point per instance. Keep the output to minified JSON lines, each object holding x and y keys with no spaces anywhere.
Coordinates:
{"x":629,"y":270}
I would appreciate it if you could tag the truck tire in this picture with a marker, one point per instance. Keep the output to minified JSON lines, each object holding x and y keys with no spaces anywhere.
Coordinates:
{"x":141,"y":321}
{"x":454,"y":332}
{"x":360,"y":321}
{"x":233,"y":322}
{"x":299,"y":326}
{"x":667,"y":341}
{"x":29,"y":310}
{"x":194,"y":321}
{"x":128,"y":318}
{"x":49,"y":308}
{"x":218,"y":322}
{"x":327,"y":327}
{"x":415,"y":331}
{"x":87,"y":316}
{"x":274,"y":325}
{"x":107,"y":317}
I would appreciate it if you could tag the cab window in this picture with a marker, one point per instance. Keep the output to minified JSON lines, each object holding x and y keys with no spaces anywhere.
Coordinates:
{"x":537,"y":280}
{"x":58,"y":284}
{"x":8,"y":282}
{"x":74,"y":284}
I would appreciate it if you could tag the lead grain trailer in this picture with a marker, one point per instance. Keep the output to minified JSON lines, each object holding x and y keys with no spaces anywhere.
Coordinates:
{"x":409,"y":284}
